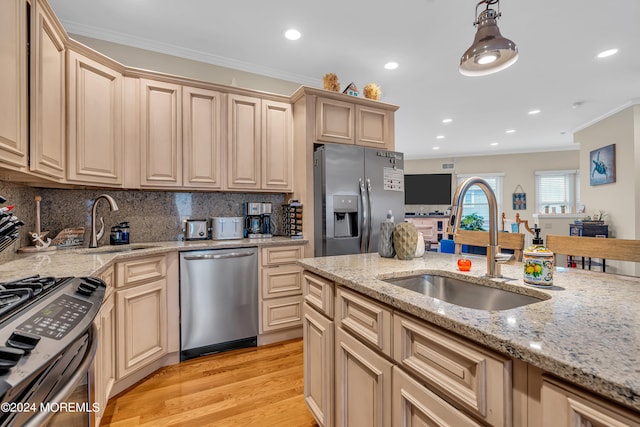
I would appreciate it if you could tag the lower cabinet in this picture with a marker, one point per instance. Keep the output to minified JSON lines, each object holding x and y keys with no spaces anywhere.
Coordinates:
{"x":363,"y":384}
{"x":104,"y":365}
{"x":142,"y":325}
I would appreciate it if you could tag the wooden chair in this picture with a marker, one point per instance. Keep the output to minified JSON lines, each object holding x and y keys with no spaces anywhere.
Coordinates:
{"x":595,"y":247}
{"x":513,"y":241}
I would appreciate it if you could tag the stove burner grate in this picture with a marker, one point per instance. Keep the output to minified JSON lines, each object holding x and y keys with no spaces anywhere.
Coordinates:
{"x":19,"y":293}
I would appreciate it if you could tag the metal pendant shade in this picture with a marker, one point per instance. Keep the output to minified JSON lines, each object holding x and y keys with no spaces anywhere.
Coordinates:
{"x":490,"y":52}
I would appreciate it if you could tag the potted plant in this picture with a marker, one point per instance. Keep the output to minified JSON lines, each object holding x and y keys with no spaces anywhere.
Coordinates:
{"x":562,"y":208}
{"x":546,"y":209}
{"x":472,"y":222}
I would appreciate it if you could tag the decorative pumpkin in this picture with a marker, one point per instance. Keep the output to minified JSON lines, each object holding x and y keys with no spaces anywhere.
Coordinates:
{"x":330,"y":82}
{"x":372,"y":91}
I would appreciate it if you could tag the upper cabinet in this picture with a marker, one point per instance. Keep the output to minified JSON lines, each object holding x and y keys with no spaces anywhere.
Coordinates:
{"x":95,"y":125}
{"x":202,"y":138}
{"x":47,"y":139}
{"x":160,"y":134}
{"x":13,"y":84}
{"x":354,"y":122}
{"x":260,"y":144}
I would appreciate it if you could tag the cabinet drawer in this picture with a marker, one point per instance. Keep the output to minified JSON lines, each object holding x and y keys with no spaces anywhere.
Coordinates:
{"x":281,"y":281}
{"x":365,"y":318}
{"x":565,"y":405}
{"x":281,"y":313}
{"x":318,"y":292}
{"x":140,"y":270}
{"x":280,"y":255}
{"x":415,"y":405}
{"x":477,"y":379}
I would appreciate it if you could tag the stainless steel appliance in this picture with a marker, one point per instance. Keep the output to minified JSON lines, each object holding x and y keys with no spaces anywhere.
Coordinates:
{"x":46,"y":324}
{"x":229,"y":227}
{"x":196,"y":229}
{"x":218,"y":300}
{"x":354,"y":188}
{"x":265,"y":218}
{"x":252,"y":219}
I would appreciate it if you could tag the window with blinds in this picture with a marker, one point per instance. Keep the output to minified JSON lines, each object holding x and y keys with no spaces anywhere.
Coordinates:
{"x":475,"y":200}
{"x":556,"y":189}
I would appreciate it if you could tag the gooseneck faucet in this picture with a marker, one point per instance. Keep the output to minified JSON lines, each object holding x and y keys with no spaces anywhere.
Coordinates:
{"x":96,"y":236}
{"x":494,"y":257}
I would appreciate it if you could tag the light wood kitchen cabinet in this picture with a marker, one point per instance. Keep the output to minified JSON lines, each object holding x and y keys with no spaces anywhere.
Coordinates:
{"x":160,"y":134}
{"x":104,"y":363}
{"x":363,"y":384}
{"x":318,"y":363}
{"x":277,"y":146}
{"x":48,"y":112}
{"x":281,"y":288}
{"x":414,"y":405}
{"x":141,"y":307}
{"x":95,"y":122}
{"x":566,"y":405}
{"x":13,"y":84}
{"x":351,"y":123}
{"x":243,"y":142}
{"x":203,"y":154}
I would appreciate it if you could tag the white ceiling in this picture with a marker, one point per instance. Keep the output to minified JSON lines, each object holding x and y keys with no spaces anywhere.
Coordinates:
{"x":557,"y":40}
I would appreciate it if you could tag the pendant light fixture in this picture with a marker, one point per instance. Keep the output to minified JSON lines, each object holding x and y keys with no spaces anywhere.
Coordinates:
{"x":490,"y":52}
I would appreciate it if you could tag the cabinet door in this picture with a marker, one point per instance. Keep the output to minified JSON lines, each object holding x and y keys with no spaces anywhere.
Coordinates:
{"x":160,"y":134}
{"x":374,"y":127}
{"x":363,"y":384}
{"x":105,"y":358}
{"x":317,"y":343}
{"x":417,"y":406}
{"x":95,"y":131}
{"x":141,"y":326}
{"x":244,"y":142}
{"x":13,"y":83}
{"x":335,"y":121}
{"x":47,"y":140}
{"x":202,"y":148}
{"x":277,"y":146}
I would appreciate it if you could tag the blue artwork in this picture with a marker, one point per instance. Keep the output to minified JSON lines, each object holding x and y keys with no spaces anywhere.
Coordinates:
{"x":603,"y":165}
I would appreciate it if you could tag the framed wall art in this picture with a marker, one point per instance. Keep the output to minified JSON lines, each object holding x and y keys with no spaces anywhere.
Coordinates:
{"x":602,"y":165}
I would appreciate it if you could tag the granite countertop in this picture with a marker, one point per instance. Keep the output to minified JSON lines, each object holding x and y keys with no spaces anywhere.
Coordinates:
{"x":585,"y":331}
{"x":91,"y":262}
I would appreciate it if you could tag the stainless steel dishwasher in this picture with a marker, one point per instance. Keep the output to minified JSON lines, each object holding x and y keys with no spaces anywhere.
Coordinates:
{"x":218,"y":300}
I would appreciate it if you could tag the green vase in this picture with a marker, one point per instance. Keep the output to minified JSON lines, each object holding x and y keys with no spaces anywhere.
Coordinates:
{"x":405,"y":239}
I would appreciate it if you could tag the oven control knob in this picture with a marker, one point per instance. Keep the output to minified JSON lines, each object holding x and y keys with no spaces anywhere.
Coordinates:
{"x":23,"y":340}
{"x":93,"y":281}
{"x":9,"y":357}
{"x":85,"y":289}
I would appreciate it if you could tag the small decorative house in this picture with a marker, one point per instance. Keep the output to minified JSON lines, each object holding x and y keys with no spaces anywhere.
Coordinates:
{"x":351,"y":89}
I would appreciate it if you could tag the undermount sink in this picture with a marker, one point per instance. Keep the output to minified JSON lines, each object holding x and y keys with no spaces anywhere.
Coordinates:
{"x":463,"y":293}
{"x":112,"y":249}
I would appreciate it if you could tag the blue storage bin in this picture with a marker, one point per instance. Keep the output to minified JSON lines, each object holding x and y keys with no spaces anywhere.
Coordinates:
{"x":447,"y":246}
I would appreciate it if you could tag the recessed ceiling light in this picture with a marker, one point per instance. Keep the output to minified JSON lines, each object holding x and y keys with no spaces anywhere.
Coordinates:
{"x":440,"y":137}
{"x":608,"y":52}
{"x":435,"y":148}
{"x":532,"y":112}
{"x":292,"y":34}
{"x":494,"y":144}
{"x":447,"y":120}
{"x":511,"y":131}
{"x":391,"y":65}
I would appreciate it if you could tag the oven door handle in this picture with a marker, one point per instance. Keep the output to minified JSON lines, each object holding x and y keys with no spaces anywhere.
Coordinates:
{"x":40,"y":418}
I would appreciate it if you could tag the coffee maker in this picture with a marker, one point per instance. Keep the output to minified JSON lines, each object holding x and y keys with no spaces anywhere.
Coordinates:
{"x":266,"y":219}
{"x":252,"y":220}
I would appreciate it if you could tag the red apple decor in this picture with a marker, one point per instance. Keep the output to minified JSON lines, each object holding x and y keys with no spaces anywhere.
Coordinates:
{"x":464,"y":264}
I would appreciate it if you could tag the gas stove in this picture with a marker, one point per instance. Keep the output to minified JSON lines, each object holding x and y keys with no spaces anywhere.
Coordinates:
{"x":46,"y":336}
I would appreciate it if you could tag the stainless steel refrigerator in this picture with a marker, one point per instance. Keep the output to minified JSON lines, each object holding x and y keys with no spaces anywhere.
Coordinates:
{"x":354,"y":188}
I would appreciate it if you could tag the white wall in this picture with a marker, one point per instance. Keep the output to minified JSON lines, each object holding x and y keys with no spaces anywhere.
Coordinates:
{"x":517,"y":169}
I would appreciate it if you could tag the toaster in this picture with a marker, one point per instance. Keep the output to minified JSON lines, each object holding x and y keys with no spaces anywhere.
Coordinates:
{"x":196,"y":229}
{"x":227,"y":227}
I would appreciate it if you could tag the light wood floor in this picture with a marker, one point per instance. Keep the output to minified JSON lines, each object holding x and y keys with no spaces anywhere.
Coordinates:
{"x":251,"y":387}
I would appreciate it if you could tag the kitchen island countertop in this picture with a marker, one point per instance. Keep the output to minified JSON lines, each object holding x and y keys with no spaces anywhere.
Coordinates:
{"x":91,"y":262}
{"x":586,"y":331}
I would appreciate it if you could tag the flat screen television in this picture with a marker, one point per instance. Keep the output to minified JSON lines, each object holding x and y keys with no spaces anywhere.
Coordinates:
{"x":427,"y":189}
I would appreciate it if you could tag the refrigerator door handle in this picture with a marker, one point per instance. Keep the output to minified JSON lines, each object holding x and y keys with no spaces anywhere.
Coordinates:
{"x":364,"y":230}
{"x":370,"y":207}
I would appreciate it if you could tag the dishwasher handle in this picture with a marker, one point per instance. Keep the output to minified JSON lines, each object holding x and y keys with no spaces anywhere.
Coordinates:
{"x":219,"y":256}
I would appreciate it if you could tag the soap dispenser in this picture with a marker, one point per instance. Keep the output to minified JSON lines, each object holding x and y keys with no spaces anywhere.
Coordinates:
{"x":538,"y":262}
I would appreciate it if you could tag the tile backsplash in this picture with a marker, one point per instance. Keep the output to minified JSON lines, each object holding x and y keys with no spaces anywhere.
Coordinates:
{"x":153,"y":216}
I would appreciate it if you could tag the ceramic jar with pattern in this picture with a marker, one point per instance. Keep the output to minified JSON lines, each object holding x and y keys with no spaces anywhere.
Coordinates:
{"x":405,"y":240}
{"x":385,"y":240}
